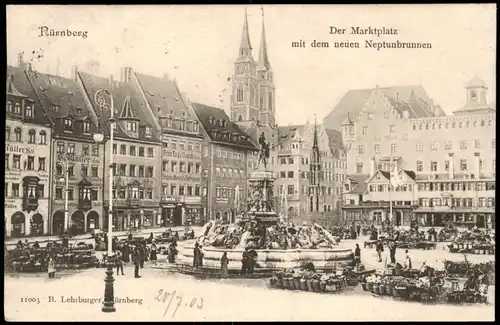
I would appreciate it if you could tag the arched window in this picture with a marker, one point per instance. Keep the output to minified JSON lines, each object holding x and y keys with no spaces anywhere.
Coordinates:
{"x":32,"y":136}
{"x":239,"y":94}
{"x":43,"y":137}
{"x":473,"y":95}
{"x":18,"y":134}
{"x":9,"y":107}
{"x":17,"y":108}
{"x":270,"y":104}
{"x":240,"y":118}
{"x":29,"y":111}
{"x":7,"y":133}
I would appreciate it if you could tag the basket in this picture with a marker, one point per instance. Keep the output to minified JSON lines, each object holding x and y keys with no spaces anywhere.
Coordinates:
{"x":425,"y":296}
{"x":296,"y":283}
{"x":382,"y":290}
{"x":398,"y":272}
{"x":279,"y":283}
{"x":322,"y":286}
{"x":390,"y":289}
{"x":400,"y":292}
{"x":285,"y":282}
{"x":310,"y":286}
{"x":303,"y":285}
{"x":316,"y":286}
{"x":332,"y":287}
{"x":375,"y":289}
{"x":369,"y":286}
{"x":363,"y":285}
{"x":291,"y":284}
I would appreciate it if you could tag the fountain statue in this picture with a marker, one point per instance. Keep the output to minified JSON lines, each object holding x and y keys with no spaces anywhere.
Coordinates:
{"x":277,"y":244}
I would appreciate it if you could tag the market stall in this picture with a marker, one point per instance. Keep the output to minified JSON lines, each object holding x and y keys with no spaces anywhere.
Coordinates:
{"x":306,"y":280}
{"x":474,"y":241}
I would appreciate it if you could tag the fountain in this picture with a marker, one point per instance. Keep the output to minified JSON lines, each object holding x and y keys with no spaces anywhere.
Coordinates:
{"x":278,"y":245}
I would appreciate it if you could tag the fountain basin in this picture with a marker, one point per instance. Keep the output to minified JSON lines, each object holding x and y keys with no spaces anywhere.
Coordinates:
{"x":323,"y":259}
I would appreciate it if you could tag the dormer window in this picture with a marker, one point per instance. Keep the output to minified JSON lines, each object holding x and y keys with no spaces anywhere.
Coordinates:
{"x":17,"y":108}
{"x":147,"y":132}
{"x":68,"y":124}
{"x":78,"y":111}
{"x":29,"y":111}
{"x":55,"y":108}
{"x":86,"y":127}
{"x":196,"y":127}
{"x":223,"y":123}
{"x":131,"y":126}
{"x":212,"y":121}
{"x":9,"y":107}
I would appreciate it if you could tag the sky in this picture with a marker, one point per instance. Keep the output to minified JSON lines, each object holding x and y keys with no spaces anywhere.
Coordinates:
{"x":197,"y":45}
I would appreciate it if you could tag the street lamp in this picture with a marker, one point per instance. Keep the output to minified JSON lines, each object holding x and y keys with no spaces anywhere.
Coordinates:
{"x":65,"y":179}
{"x":108,"y":303}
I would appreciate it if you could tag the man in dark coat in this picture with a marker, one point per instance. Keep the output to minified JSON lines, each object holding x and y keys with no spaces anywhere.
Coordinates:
{"x":380,"y":250}
{"x":244,"y":262}
{"x":142,"y":255}
{"x":358,"y":229}
{"x":137,"y":262}
{"x":196,"y":255}
{"x":392,"y":251}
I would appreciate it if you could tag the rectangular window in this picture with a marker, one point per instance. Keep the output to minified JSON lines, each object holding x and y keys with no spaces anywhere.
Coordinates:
{"x":15,"y":190}
{"x":115,"y":150}
{"x":446,"y":165}
{"x":493,"y":144}
{"x":361,"y":149}
{"x":149,"y":172}
{"x":448,"y":145}
{"x":59,"y":193}
{"x":16,"y":161}
{"x":131,"y":171}
{"x":290,"y":174}
{"x":94,"y":195}
{"x":123,"y":149}
{"x":7,"y":161}
{"x":463,"y":144}
{"x":84,"y":170}
{"x":291,"y":190}
{"x":359,"y":168}
{"x":392,"y":128}
{"x":434,"y":166}
{"x":477,"y":144}
{"x":141,"y":171}
{"x":420,"y":147}
{"x":434,"y":145}
{"x":393,"y":148}
{"x":95,"y":171}
{"x":150,"y":153}
{"x":132,"y":151}
{"x":141,"y":151}
{"x":71,"y":148}
{"x":71,"y":194}
{"x":122,"y":170}
{"x":95,"y":150}
{"x":463,"y":164}
{"x":365,"y":130}
{"x":420,"y":166}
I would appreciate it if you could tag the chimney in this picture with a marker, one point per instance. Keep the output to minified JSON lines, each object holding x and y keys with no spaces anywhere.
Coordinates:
{"x":372,"y":166}
{"x":478,"y":165}
{"x":20,"y":59}
{"x":111,"y":82}
{"x":125,"y":74}
{"x":451,"y":170}
{"x":74,"y":72}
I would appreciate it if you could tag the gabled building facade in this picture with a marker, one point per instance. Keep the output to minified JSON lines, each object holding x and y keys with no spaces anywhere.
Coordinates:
{"x":27,"y":158}
{"x":136,"y":154}
{"x":226,"y":155}
{"x":76,"y":159}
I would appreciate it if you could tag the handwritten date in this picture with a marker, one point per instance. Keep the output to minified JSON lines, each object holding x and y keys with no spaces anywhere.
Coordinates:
{"x":167,"y":298}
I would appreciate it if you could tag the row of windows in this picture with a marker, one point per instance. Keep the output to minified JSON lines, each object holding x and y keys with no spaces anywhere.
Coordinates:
{"x":376,"y":147}
{"x":180,"y":123}
{"x":136,"y":193}
{"x":385,"y":188}
{"x":182,"y":167}
{"x":229,"y":173}
{"x":175,"y":189}
{"x":328,"y":176}
{"x":225,"y":192}
{"x":29,"y":163}
{"x":71,"y":148}
{"x":481,"y":202}
{"x":18,"y":136}
{"x":305,"y":161}
{"x":453,"y":125}
{"x":304,"y":190}
{"x":68,"y":125}
{"x":253,"y":97}
{"x":13,"y":191}
{"x":434,"y":165}
{"x":16,"y":109}
{"x":448,"y":145}
{"x":182,"y":146}
{"x":229,"y":154}
{"x":134,"y":151}
{"x":84,"y":194}
{"x":457,"y":186}
{"x":134,"y":171}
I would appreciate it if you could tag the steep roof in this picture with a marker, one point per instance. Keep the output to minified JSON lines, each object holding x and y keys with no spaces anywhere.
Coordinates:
{"x":220,"y":129}
{"x":359,"y":181}
{"x":411,"y":174}
{"x":476,"y":82}
{"x":126,"y":102}
{"x":18,"y":84}
{"x":354,"y":100}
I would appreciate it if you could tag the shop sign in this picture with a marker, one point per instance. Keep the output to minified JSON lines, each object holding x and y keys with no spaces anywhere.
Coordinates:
{"x":12,"y":204}
{"x":181,"y":155}
{"x":77,"y":158}
{"x":14,"y":148}
{"x":60,"y":204}
{"x":18,"y":174}
{"x":184,"y":178}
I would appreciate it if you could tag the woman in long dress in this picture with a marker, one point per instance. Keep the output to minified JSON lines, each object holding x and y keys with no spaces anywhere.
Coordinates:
{"x":153,"y":252}
{"x":51,"y":270}
{"x":223,"y":266}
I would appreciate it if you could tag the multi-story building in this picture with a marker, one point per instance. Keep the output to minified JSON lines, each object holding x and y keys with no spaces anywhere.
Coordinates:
{"x":306,"y":151}
{"x":76,"y":163}
{"x":181,"y":174}
{"x":136,"y":154}
{"x":453,"y":156}
{"x":27,"y":158}
{"x":226,"y":153}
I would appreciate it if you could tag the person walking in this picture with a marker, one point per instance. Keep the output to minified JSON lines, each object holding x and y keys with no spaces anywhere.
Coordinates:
{"x":224,"y":261}
{"x":392,"y":252}
{"x":51,"y":268}
{"x":172,"y":252}
{"x":142,"y":255}
{"x":357,"y":255}
{"x":408,"y":265}
{"x":153,"y":256}
{"x":358,"y":229}
{"x":119,"y":263}
{"x":380,"y":250}
{"x":137,"y":262}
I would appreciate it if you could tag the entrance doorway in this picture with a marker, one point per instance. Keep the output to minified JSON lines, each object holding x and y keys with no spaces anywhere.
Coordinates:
{"x":92,"y":220}
{"x":36,"y":225}
{"x":178,"y":215}
{"x":58,"y":222}
{"x":480,"y":221}
{"x":398,"y":218}
{"x":18,"y":221}
{"x":77,"y":223}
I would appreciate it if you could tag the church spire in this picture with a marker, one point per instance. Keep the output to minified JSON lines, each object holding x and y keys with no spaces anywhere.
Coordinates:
{"x":315,"y":140}
{"x":245,"y":46}
{"x":264,"y":63}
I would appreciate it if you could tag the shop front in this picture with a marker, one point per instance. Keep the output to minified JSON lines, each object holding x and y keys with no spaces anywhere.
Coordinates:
{"x":20,"y":223}
{"x":460,"y":217}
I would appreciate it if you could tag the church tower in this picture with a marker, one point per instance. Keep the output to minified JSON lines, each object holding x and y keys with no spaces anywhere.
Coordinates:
{"x":244,"y":97}
{"x":316,"y":175}
{"x":266,"y":83}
